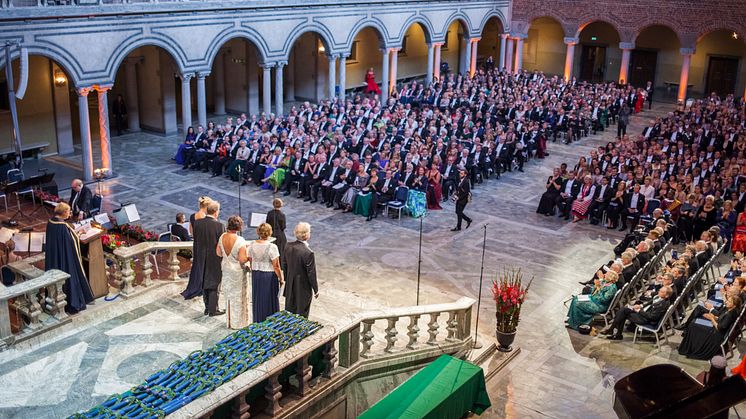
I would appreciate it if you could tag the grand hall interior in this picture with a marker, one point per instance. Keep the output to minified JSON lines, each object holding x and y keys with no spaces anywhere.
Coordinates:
{"x":406,"y":209}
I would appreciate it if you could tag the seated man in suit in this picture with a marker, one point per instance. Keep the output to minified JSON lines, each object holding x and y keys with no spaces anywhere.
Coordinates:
{"x":650,"y":313}
{"x":178,"y":230}
{"x":450,"y":177}
{"x":80,"y":199}
{"x":569,"y":191}
{"x":601,"y":199}
{"x":383,"y":193}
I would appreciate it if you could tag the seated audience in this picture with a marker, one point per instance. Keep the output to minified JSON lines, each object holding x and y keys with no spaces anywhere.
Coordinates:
{"x":582,"y":312}
{"x":650,"y":314}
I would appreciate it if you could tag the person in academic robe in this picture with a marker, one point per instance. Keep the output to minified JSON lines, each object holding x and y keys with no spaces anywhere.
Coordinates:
{"x":207,"y":232}
{"x":582,"y":312}
{"x":300,"y":266}
{"x":80,"y":199}
{"x":463,"y":191}
{"x":701,"y":340}
{"x":276,"y":219}
{"x":63,"y":252}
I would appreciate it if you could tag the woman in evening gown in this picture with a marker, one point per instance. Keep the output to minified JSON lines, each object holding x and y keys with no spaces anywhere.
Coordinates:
{"x":266,"y":275}
{"x":234,"y":277}
{"x":548,"y":198}
{"x":194,"y":286}
{"x":370,"y":79}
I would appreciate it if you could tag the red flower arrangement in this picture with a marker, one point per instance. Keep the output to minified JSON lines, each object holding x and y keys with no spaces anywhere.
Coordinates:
{"x":112,"y":242}
{"x":45,"y":196}
{"x":509,"y":294}
{"x":137,"y":232}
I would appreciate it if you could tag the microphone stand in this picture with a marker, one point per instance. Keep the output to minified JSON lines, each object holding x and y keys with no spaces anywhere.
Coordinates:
{"x":478,"y":345}
{"x":240,"y":180}
{"x":419,"y":263}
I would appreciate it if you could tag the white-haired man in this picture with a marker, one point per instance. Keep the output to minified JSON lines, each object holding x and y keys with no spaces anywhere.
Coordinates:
{"x":299,"y":266}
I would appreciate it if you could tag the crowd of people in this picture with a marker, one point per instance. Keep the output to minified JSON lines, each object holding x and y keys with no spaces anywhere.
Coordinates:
{"x":646,"y":301}
{"x":223,"y":260}
{"x":419,"y":138}
{"x":691,"y":163}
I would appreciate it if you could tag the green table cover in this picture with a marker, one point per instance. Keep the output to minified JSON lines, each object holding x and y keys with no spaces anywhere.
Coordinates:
{"x":362,"y":204}
{"x":447,"y":388}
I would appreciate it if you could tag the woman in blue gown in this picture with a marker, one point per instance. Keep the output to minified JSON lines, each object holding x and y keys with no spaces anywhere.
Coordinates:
{"x":266,"y":275}
{"x":187,"y":144}
{"x":582,"y":312}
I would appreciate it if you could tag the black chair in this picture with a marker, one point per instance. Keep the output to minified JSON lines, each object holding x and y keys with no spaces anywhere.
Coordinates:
{"x":7,"y":277}
{"x":96,"y":204}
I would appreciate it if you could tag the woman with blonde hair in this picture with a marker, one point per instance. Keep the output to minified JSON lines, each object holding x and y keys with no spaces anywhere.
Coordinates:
{"x":266,"y":275}
{"x":234,"y":277}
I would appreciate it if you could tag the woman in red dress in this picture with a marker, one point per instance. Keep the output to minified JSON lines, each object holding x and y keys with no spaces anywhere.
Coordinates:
{"x":640,"y":102}
{"x":739,"y":235}
{"x":370,"y":79}
{"x":434,"y":190}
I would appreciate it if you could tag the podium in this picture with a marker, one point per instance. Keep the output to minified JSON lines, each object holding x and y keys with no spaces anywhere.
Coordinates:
{"x":92,"y":253}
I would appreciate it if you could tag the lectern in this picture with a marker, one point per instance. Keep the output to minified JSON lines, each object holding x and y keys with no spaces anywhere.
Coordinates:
{"x":93,"y":262}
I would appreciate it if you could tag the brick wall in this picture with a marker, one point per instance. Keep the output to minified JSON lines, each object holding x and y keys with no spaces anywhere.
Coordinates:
{"x":690,"y":19}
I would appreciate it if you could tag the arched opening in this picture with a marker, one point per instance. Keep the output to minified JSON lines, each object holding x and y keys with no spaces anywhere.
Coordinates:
{"x":149,"y":83}
{"x":545,"y":49}
{"x":656,"y":58}
{"x":453,"y":51}
{"x":47,"y":115}
{"x":234,"y":85}
{"x":598,"y":56}
{"x":717,"y":64}
{"x":489,"y":45}
{"x":307,"y":72}
{"x":412,"y":59}
{"x":365,"y":53}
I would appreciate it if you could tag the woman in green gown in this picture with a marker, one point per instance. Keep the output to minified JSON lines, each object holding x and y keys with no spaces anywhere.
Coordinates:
{"x":582,"y":312}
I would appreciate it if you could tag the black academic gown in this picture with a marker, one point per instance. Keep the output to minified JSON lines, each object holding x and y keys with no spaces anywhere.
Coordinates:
{"x":276,"y":219}
{"x":63,"y":252}
{"x":194,"y":286}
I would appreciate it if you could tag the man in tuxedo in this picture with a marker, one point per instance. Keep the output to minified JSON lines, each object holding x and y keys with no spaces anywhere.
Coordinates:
{"x":207,"y":232}
{"x":300,"y":265}
{"x":345,"y":180}
{"x":462,"y":198}
{"x":601,"y":199}
{"x":293,"y":172}
{"x":568,"y":193}
{"x":633,"y":204}
{"x":450,"y":176}
{"x":80,"y":199}
{"x":638,"y":314}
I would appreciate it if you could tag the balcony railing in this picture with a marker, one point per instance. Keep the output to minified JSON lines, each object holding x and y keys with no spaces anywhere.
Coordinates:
{"x":356,"y":344}
{"x":123,"y":258}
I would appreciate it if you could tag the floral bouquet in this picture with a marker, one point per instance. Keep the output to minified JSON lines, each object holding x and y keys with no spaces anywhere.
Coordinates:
{"x":45,"y":196}
{"x":509,"y":294}
{"x":138,"y":233}
{"x":112,"y":242}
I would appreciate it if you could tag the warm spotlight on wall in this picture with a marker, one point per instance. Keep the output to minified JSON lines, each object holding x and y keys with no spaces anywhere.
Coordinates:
{"x":734,"y":35}
{"x":59,"y":78}
{"x":322,"y":49}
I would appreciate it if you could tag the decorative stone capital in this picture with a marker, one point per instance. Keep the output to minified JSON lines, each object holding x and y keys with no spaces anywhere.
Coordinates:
{"x":83,"y":91}
{"x":571,"y":41}
{"x":203,"y":74}
{"x":626,"y":45}
{"x":395,"y":50}
{"x":687,"y":51}
{"x":344,"y":55}
{"x":435,"y":44}
{"x":281,"y":64}
{"x":474,"y":40}
{"x":332,"y":57}
{"x":520,"y":36}
{"x":185,"y":77}
{"x":505,"y":36}
{"x":267,"y":66}
{"x":102,"y":88}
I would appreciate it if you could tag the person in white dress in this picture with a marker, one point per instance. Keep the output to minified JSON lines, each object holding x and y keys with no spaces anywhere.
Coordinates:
{"x":234,"y":277}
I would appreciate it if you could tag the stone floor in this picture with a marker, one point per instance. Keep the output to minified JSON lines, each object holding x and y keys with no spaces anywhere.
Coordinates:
{"x":361,"y":266}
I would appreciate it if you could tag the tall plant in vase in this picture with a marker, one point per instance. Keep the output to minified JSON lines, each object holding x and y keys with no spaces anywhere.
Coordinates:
{"x":509,"y":294}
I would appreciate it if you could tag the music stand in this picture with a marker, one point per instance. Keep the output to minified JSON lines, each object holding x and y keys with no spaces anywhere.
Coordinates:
{"x":16,"y":187}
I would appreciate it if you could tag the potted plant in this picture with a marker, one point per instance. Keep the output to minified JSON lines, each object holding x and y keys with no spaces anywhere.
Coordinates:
{"x":509,"y":294}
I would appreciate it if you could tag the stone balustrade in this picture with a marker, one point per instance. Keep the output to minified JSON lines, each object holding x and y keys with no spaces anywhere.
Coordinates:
{"x":349,"y":348}
{"x":31,"y":299}
{"x":124,"y":257}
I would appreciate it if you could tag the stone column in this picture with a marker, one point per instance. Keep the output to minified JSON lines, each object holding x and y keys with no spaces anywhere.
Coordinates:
{"x":626,"y":48}
{"x":436,"y":64}
{"x":103,"y":126}
{"x":385,"y":76}
{"x":394,"y":68}
{"x":332,"y":81}
{"x":267,"y":89}
{"x":473,"y":62}
{"x":509,"y":56}
{"x":201,"y":100}
{"x":85,"y":133}
{"x":62,"y":113}
{"x":252,"y":82}
{"x":503,"y":39}
{"x":430,"y":57}
{"x":219,"y":84}
{"x":279,"y":106}
{"x":467,"y":57}
{"x":684,"y":79}
{"x":569,"y":56}
{"x":519,"y":52}
{"x":289,"y":75}
{"x":130,"y":98}
{"x":186,"y":102}
{"x":342,"y":76}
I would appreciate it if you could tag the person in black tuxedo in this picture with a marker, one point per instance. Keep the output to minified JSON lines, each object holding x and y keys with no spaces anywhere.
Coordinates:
{"x":80,"y":199}
{"x":568,"y":193}
{"x":293,"y":172}
{"x":207,"y":232}
{"x":300,"y":266}
{"x":178,"y":230}
{"x":633,"y":205}
{"x":450,"y":177}
{"x":462,"y":198}
{"x":346,"y":178}
{"x":650,"y":313}
{"x":601,"y":199}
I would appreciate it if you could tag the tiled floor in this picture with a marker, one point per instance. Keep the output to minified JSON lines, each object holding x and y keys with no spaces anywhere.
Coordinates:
{"x":361,"y":265}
